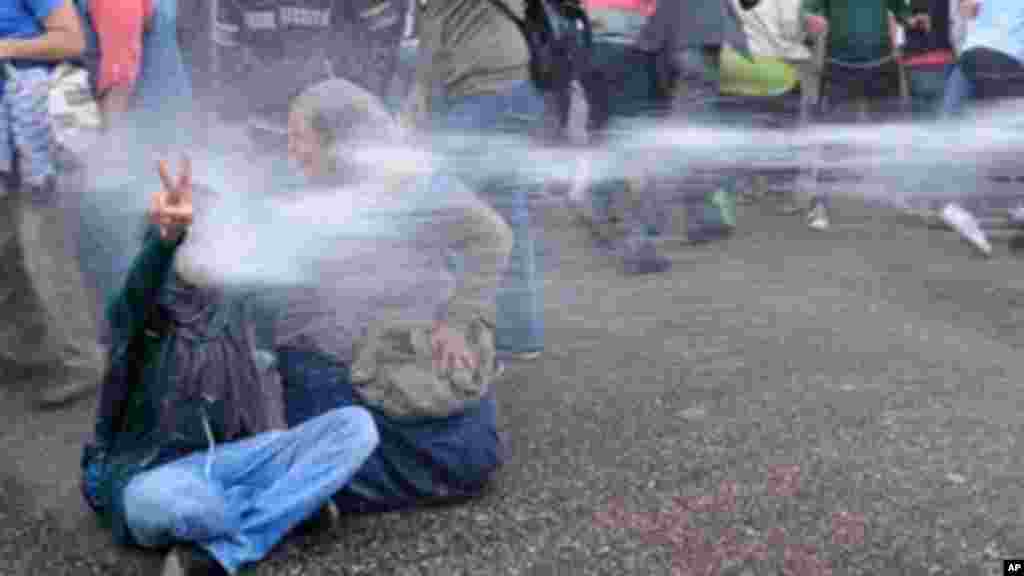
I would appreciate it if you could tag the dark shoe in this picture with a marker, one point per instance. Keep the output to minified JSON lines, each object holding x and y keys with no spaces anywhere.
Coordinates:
{"x":644,"y":259}
{"x":326,"y":520}
{"x":191,"y":561}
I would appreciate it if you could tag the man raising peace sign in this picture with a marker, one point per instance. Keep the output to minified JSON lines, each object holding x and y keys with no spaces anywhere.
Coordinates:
{"x":190,"y":448}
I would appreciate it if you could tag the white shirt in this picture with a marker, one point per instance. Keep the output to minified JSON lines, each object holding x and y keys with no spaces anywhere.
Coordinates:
{"x":999,"y":26}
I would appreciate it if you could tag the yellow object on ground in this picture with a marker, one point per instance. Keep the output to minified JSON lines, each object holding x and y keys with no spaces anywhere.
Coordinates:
{"x":761,"y":76}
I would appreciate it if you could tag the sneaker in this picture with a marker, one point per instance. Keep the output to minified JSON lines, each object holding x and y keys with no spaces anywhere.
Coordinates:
{"x":527,"y":356}
{"x":190,"y":560}
{"x":966,"y":225}
{"x":1017,"y":215}
{"x":817,"y":217}
{"x":71,"y":385}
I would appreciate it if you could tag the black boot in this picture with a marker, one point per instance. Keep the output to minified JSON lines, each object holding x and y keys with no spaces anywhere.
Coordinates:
{"x":188,"y":560}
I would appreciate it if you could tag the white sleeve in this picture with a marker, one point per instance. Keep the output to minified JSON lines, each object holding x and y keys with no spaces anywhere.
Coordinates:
{"x":957,"y":26}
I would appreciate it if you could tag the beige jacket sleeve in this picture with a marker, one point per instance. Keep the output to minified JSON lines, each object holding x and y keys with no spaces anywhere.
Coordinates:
{"x":484,"y":241}
{"x":430,"y":61}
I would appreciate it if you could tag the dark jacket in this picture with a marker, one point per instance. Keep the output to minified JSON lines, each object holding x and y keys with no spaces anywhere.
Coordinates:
{"x":268,"y":52}
{"x":181,"y":377}
{"x":939,"y":38}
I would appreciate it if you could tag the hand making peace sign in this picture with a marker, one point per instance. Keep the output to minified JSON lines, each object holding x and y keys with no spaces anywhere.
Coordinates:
{"x":171,"y":208}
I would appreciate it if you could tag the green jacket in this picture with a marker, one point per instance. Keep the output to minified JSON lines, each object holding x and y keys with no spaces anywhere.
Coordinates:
{"x":858,"y":29}
{"x":181,"y":378}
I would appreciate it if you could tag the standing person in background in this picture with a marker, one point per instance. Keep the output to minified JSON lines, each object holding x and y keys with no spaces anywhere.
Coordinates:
{"x":621,"y":206}
{"x":138,"y":69}
{"x":144,"y":94}
{"x":929,"y":55}
{"x":34,"y":34}
{"x":472,"y":75}
{"x":774,"y":30}
{"x":991,"y":67}
{"x":861,"y":73}
{"x":267,"y":52}
{"x":688,"y":37}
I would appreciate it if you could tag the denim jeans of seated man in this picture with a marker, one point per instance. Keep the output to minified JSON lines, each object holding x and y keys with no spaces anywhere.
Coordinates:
{"x":238,"y":500}
{"x":501,"y":176}
{"x":416,"y":463}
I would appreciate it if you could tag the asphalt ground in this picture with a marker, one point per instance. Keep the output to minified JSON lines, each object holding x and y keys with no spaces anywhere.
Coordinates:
{"x":782,"y":402}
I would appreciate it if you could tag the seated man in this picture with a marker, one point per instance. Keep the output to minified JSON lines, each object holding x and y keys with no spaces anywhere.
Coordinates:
{"x":991,"y":67}
{"x":419,"y":460}
{"x":190,"y":447}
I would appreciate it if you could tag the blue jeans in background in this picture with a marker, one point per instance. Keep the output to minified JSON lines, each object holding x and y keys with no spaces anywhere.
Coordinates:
{"x":501,"y":181}
{"x":239,"y":500}
{"x":958,"y":91}
{"x":631,"y":79}
{"x":417,"y":462}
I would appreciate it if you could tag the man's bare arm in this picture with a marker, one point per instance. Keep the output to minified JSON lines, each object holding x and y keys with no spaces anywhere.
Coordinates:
{"x":61,"y":39}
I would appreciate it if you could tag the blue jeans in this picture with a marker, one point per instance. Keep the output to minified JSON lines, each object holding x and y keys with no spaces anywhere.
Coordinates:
{"x":631,"y":79}
{"x":958,"y":91}
{"x":240,"y":499}
{"x":416,"y":463}
{"x":927,"y":89}
{"x":516,"y":111}
{"x":984,"y":74}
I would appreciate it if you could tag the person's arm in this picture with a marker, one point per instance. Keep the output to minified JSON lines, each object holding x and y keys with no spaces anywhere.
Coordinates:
{"x":230,"y":68}
{"x":484,"y":242}
{"x":957,"y":26}
{"x":900,"y":9}
{"x":61,"y":39}
{"x":119,"y":25}
{"x":429,"y":65}
{"x":170,"y":215}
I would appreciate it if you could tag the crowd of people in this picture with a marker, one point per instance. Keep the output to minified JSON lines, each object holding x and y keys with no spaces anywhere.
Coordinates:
{"x":229,"y":416}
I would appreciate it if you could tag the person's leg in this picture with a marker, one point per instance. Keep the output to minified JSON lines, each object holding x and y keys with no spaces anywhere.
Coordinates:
{"x":842,"y":95}
{"x":240,"y":500}
{"x":957,"y":92}
{"x":507,"y":187}
{"x":416,"y":463}
{"x":694,"y":99}
{"x":57,"y":282}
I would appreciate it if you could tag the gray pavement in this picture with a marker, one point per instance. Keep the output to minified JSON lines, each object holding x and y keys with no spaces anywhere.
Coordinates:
{"x":786,"y":402}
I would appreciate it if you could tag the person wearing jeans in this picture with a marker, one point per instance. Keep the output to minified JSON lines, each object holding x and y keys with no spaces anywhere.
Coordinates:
{"x":860,"y":74}
{"x":190,"y":449}
{"x":990,"y":68}
{"x":688,"y":38}
{"x":472,"y":77}
{"x":35,"y":239}
{"x":316,"y":328}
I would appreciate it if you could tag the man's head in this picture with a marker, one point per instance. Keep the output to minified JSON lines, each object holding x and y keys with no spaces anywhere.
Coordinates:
{"x":329,"y":120}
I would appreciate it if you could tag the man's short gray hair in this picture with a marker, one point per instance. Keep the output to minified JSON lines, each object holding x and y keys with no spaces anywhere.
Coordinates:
{"x":342,"y":113}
